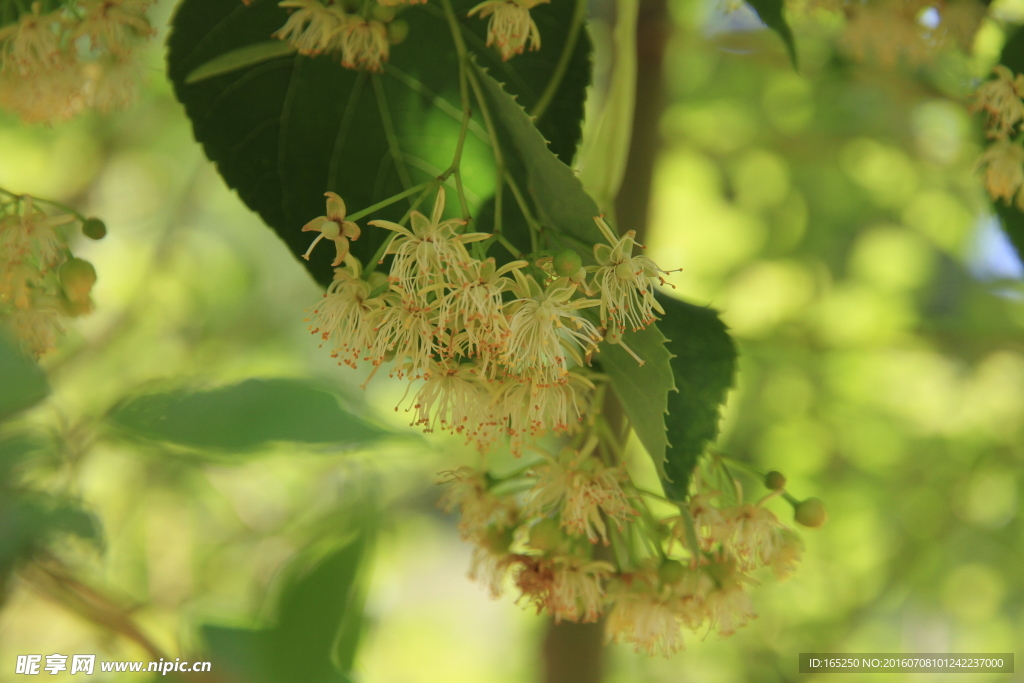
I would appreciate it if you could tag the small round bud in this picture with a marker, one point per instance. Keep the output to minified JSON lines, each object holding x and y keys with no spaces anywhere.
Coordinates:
{"x":776,"y":481}
{"x":383,"y":13}
{"x":567,"y":263}
{"x":671,"y":572}
{"x":546,"y":535}
{"x":94,"y":229}
{"x":810,"y":513}
{"x":497,"y":540}
{"x":398,"y":31}
{"x":77,"y":276}
{"x":580,"y":276}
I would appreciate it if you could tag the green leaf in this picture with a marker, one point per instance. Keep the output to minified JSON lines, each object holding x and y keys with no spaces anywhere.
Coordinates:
{"x":250,"y":55}
{"x":243,"y":417}
{"x":643,"y":390}
{"x":318,"y":625}
{"x":24,"y":382}
{"x":770,"y":12}
{"x":704,"y":366}
{"x":556,"y":194}
{"x":285,"y":130}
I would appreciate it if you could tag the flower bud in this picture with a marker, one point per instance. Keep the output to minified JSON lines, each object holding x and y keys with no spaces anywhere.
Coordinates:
{"x":497,"y":540}
{"x":398,"y":31}
{"x":94,"y":229}
{"x":671,"y":572}
{"x":546,"y":535}
{"x":810,"y":513}
{"x":567,"y":263}
{"x":77,"y":276}
{"x":776,"y":481}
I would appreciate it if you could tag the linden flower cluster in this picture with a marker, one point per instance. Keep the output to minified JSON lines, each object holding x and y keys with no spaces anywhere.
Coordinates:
{"x":41,"y":282}
{"x":689,"y":571}
{"x":497,"y":350}
{"x":316,"y":27}
{"x":510,"y":29}
{"x":1003,"y":161}
{"x":55,"y":64}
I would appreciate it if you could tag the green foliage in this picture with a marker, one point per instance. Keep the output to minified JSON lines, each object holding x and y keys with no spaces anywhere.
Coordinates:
{"x":243,"y":417}
{"x":24,"y":382}
{"x":643,"y":390}
{"x":30,"y":520}
{"x":703,"y":367}
{"x":318,"y":624}
{"x":770,"y":12}
{"x":284,"y":131}
{"x":556,"y":195}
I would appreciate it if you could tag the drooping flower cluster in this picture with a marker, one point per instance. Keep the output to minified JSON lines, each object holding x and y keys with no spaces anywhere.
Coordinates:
{"x":317,"y":27}
{"x":55,"y":64}
{"x":510,"y":29}
{"x":498,"y":350}
{"x":41,"y":282}
{"x":663,"y":575}
{"x":1003,"y":161}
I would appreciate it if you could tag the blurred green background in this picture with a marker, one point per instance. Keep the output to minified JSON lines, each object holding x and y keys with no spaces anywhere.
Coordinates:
{"x":833,"y":216}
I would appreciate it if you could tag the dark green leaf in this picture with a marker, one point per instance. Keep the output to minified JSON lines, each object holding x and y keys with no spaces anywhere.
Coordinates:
{"x":22,"y":382}
{"x":770,"y":12}
{"x":284,"y":131}
{"x":244,"y":416}
{"x":557,"y":195}
{"x":643,"y":390}
{"x":703,"y":365}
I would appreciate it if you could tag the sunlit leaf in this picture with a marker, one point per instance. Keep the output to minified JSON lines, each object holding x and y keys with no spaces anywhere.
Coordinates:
{"x":244,"y":416}
{"x":284,"y":131}
{"x":703,"y":365}
{"x":556,"y":194}
{"x":22,"y":382}
{"x":643,"y":390}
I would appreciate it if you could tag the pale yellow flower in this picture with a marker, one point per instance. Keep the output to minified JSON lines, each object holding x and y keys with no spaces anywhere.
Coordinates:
{"x":364,"y":44}
{"x":468,"y":490}
{"x":472,"y":306}
{"x":345,"y":315}
{"x":511,"y":28}
{"x":456,"y":400}
{"x":406,"y":331}
{"x":334,"y":227}
{"x":647,"y":620}
{"x":1000,"y":98}
{"x":313,"y":27}
{"x":625,"y":282}
{"x":579,"y":487}
{"x":1003,"y":162}
{"x":530,"y":409}
{"x":114,"y":25}
{"x":424,"y":253}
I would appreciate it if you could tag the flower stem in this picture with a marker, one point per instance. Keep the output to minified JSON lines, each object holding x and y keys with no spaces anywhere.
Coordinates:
{"x":563,"y":61}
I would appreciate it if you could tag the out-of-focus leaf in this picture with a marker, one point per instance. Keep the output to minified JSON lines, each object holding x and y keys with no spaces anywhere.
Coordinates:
{"x":318,"y":626}
{"x":285,"y":130}
{"x":244,"y":416}
{"x":22,"y":382}
{"x":703,"y":365}
{"x":556,"y":194}
{"x":30,"y":520}
{"x":643,"y":390}
{"x":770,"y":12}
{"x":606,"y":140}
